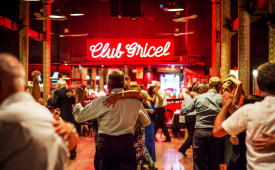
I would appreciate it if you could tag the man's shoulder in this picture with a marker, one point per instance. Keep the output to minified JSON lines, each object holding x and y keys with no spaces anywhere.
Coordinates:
{"x":7,"y":115}
{"x":98,"y":100}
{"x":252,"y":107}
{"x":101,"y":98}
{"x":212,"y":93}
{"x":62,"y":91}
{"x":26,"y":109}
{"x":130,"y":102}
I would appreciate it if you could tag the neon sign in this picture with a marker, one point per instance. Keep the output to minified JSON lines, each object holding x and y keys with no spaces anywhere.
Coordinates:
{"x":130,"y":50}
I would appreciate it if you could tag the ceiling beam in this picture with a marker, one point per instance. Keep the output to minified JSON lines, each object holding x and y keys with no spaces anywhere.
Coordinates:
{"x":10,"y":25}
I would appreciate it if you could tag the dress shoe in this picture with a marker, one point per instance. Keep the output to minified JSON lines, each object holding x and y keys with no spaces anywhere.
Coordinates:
{"x":167,"y":140}
{"x":183,"y":153}
{"x":72,"y":157}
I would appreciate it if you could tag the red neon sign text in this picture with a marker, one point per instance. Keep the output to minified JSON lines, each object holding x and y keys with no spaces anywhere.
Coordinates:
{"x":129,"y":49}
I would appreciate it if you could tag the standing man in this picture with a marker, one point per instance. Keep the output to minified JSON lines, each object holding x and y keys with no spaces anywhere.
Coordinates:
{"x":64,"y":102}
{"x":160,"y":102}
{"x":206,"y":148}
{"x":190,"y":120}
{"x":116,"y":124}
{"x":27,"y":137}
{"x":256,"y":119}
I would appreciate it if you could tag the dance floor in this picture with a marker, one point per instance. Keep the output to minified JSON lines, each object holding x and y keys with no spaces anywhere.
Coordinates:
{"x":168,"y":157}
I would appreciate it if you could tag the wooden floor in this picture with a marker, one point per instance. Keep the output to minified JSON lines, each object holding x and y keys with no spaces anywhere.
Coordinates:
{"x":168,"y":157}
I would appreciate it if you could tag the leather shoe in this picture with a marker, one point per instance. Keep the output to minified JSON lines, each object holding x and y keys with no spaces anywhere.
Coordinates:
{"x":184,"y":154}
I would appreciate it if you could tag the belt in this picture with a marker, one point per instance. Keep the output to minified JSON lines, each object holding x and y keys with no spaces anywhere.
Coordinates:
{"x":203,"y":128}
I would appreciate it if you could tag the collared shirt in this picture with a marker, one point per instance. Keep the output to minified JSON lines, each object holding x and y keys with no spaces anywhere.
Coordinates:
{"x":115,"y":121}
{"x":27,"y":136}
{"x":254,"y":119}
{"x":207,"y":106}
{"x":188,"y":99}
{"x":159,"y":103}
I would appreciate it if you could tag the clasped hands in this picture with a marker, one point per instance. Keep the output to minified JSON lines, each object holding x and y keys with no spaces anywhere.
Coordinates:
{"x":80,"y":93}
{"x":228,"y":99}
{"x":36,"y":73}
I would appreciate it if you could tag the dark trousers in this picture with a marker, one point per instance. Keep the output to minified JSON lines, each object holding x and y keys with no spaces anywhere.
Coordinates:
{"x":238,"y":158}
{"x":190,"y":123}
{"x":160,"y":122}
{"x":73,"y":153}
{"x":96,"y":159}
{"x":206,"y":150}
{"x":117,"y":153}
{"x":78,"y":127}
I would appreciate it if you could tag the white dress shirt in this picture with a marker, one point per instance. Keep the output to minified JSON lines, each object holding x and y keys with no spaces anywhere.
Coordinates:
{"x":254,"y":119}
{"x":159,"y":103}
{"x":27,"y":137}
{"x":115,"y":121}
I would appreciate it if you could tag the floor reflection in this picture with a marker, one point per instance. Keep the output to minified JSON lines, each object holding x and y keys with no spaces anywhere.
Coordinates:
{"x":168,"y":157}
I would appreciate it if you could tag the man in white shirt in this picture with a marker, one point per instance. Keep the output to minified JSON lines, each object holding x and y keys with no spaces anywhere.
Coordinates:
{"x":254,"y":119}
{"x":27,"y":137}
{"x":116,"y":124}
{"x":160,"y":102}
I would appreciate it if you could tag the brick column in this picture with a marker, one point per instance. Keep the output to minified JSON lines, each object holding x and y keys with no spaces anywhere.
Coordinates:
{"x":23,"y":36}
{"x":46,"y":49}
{"x":216,"y":41}
{"x":272,"y":32}
{"x":244,"y":46}
{"x":225,"y":38}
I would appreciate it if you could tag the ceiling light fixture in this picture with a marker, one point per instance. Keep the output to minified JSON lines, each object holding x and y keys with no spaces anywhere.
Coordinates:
{"x":76,"y":13}
{"x":57,"y":15}
{"x":175,"y":9}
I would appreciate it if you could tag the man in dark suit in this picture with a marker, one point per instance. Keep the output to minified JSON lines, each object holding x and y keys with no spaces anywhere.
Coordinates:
{"x":64,"y":100}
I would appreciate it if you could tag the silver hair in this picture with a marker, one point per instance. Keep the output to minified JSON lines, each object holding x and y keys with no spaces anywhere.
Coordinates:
{"x":203,"y":87}
{"x":61,"y":82}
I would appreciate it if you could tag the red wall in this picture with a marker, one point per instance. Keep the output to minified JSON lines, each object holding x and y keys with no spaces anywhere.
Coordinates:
{"x":99,"y":24}
{"x":61,"y":69}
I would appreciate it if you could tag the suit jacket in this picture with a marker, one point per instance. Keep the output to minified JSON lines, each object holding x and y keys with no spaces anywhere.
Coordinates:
{"x":64,"y":103}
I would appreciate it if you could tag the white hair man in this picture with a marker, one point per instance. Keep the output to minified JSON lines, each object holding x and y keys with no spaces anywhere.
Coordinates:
{"x":27,"y":136}
{"x":160,"y":101}
{"x":64,"y":100}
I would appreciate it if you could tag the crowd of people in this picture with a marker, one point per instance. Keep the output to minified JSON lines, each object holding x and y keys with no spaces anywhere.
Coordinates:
{"x":225,"y":134}
{"x":225,"y":129}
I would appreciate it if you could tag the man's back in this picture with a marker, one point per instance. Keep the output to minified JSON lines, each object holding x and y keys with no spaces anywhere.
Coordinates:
{"x":27,"y":137}
{"x":64,"y":103}
{"x":115,"y":121}
{"x":207,"y":106}
{"x":255,"y":118}
{"x":123,"y":116}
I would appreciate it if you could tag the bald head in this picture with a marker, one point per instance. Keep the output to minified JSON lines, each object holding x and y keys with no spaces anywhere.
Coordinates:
{"x":12,"y":77}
